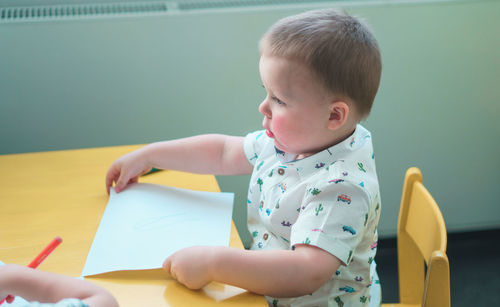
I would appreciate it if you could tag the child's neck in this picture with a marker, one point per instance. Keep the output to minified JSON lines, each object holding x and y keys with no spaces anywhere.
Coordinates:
{"x":341,"y":135}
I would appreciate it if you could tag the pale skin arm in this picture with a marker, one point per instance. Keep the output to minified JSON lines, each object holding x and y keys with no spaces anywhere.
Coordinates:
{"x":276,"y":273}
{"x":204,"y":154}
{"x":35,"y":285}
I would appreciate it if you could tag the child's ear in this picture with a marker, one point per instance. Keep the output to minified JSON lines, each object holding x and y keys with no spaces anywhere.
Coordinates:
{"x":339,"y":111}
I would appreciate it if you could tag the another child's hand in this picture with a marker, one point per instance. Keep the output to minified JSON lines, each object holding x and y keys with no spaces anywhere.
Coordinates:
{"x":7,"y":273}
{"x":126,"y":170}
{"x":191,"y":266}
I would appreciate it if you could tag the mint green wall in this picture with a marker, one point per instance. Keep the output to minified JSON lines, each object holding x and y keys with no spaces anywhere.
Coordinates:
{"x":125,"y":80}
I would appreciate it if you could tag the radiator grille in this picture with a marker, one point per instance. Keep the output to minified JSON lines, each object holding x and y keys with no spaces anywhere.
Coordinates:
{"x":82,"y":10}
{"x":33,"y":13}
{"x":205,"y":4}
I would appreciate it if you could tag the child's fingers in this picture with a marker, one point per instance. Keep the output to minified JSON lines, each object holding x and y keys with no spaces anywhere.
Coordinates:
{"x":167,"y":266}
{"x":111,"y":176}
{"x":122,"y":181}
{"x":121,"y":184}
{"x":109,"y":183}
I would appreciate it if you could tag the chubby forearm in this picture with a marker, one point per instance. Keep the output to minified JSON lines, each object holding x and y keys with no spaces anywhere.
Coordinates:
{"x":35,"y":285}
{"x":277,"y":273}
{"x":203,"y":154}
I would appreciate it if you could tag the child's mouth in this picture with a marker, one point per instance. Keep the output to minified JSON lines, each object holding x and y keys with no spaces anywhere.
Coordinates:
{"x":269,"y":133}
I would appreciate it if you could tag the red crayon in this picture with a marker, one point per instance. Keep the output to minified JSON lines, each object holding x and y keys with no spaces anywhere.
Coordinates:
{"x":38,"y":259}
{"x":46,"y":251}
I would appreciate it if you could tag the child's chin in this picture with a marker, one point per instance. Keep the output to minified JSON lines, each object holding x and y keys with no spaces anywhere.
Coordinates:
{"x":280,"y":147}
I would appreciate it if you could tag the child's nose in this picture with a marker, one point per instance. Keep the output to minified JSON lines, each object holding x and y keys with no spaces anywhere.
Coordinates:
{"x":264,"y":108}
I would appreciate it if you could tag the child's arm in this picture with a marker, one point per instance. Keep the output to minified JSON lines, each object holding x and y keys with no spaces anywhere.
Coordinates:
{"x":204,"y":154}
{"x":277,"y":273}
{"x":35,"y":285}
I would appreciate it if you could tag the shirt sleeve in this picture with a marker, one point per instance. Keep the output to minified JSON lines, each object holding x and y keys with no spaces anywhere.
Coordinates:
{"x":67,"y":302}
{"x":332,"y":217}
{"x":253,"y":145}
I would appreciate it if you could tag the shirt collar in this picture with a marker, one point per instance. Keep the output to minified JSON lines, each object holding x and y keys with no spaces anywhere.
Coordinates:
{"x":324,"y":158}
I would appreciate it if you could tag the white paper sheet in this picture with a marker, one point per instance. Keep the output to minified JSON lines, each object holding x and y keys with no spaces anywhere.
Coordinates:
{"x":146,"y":223}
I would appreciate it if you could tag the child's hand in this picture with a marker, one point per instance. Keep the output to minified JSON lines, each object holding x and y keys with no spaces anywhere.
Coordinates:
{"x":7,"y":272}
{"x":126,"y":170}
{"x":191,"y":266}
{"x":4,"y":296}
{"x":35,"y":285}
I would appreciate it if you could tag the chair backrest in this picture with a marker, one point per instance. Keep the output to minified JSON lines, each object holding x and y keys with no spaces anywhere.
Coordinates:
{"x":421,"y":243}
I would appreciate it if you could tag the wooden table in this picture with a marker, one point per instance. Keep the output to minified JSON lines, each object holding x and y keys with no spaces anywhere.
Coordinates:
{"x":62,"y":193}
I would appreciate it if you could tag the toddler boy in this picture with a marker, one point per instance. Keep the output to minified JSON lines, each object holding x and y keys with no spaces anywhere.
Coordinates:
{"x":313,"y":199}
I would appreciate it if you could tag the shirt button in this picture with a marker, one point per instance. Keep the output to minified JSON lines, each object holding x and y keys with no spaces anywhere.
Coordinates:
{"x":266,"y":236}
{"x":281,"y":171}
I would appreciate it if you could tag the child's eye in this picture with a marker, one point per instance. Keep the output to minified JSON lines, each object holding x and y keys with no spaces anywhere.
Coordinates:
{"x":278,"y":101}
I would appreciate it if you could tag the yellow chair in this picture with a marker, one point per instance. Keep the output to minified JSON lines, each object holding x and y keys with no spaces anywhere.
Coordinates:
{"x":421,"y":243}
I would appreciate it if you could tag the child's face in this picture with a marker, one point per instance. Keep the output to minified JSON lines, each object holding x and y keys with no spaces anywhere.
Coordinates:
{"x":296,"y":109}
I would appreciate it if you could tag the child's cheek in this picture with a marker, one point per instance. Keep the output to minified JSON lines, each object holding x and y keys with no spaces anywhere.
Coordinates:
{"x":279,"y":125}
{"x":283,"y":132}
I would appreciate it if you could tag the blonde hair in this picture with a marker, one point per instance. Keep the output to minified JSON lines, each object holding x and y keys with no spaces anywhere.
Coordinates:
{"x":340,"y":50}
